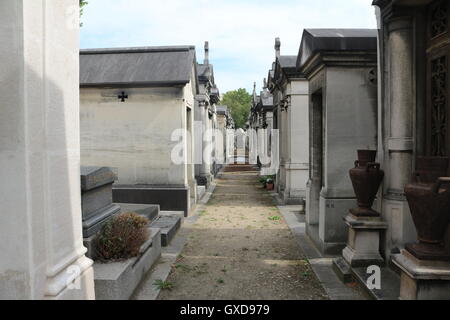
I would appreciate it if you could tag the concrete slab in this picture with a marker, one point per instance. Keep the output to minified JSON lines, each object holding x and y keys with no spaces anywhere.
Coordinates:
{"x":118,"y":280}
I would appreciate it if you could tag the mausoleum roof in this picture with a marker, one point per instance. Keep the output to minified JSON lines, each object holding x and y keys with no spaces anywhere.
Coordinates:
{"x":141,"y":66}
{"x":332,"y":40}
{"x":288,"y":66}
{"x":204,"y":71}
{"x":266,"y":99}
{"x":222,"y":110}
{"x":288,"y":61}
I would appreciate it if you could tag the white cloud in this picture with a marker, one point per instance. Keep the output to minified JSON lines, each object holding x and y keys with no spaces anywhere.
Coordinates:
{"x":241,"y":33}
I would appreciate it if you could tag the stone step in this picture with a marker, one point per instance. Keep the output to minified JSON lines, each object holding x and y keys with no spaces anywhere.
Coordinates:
{"x":169,"y":222}
{"x":390,"y":284}
{"x":343,"y":270}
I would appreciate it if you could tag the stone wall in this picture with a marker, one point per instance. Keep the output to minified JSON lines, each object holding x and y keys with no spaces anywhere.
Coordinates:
{"x":40,"y":224}
{"x":134,"y":137}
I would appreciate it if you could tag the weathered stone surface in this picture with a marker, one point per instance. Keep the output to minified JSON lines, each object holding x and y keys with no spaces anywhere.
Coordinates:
{"x":175,"y":198}
{"x":422,"y":280}
{"x":201,"y":190}
{"x":390,"y":284}
{"x":363,"y":246}
{"x":169,"y":225}
{"x":96,"y":199}
{"x":94,"y":177}
{"x":118,"y":280}
{"x":97,"y":220}
{"x":342,"y":270}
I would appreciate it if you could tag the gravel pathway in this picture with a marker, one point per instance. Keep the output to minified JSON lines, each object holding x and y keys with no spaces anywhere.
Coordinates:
{"x":241,"y":249}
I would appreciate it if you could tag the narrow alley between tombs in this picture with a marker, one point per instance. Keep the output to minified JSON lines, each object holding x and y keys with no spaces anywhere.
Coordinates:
{"x":241,"y":248}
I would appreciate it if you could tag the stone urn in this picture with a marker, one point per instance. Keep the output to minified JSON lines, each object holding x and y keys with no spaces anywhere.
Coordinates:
{"x":366,"y":179}
{"x":429,"y":201}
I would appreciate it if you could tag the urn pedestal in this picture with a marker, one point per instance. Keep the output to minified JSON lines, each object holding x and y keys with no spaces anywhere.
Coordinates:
{"x":363,"y":246}
{"x":425,"y":265}
{"x":422,"y":279}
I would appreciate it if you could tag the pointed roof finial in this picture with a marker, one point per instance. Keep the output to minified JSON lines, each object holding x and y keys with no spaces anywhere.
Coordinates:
{"x":265,"y":83}
{"x":206,"y":61}
{"x":277,"y":47}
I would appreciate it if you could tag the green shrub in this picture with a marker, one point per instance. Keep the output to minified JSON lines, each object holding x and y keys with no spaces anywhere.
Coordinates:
{"x":122,"y":237}
{"x":264,"y":180}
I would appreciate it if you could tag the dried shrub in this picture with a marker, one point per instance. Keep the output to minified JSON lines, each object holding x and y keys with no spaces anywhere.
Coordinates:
{"x":122,"y":237}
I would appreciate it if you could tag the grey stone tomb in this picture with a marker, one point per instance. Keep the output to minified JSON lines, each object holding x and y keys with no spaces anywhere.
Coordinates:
{"x":96,"y":200}
{"x":341,"y":66}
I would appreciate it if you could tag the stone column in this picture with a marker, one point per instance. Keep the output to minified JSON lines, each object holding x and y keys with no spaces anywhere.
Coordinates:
{"x":40,"y":223}
{"x":283,"y":145}
{"x":400,"y":144}
{"x":206,"y":167}
{"x":399,"y":124}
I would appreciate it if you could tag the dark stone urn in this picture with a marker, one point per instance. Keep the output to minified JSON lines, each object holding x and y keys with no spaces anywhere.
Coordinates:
{"x":366,"y":179}
{"x":429,"y":201}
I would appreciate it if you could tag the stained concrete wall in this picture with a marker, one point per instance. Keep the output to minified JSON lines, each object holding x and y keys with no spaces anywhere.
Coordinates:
{"x":351,"y":124}
{"x":134,"y":137}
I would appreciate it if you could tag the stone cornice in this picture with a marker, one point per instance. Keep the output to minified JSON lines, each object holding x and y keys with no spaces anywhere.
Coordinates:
{"x":351,"y":59}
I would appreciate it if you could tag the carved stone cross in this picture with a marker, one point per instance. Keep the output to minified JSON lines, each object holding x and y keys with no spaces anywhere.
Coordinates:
{"x":123,"y":96}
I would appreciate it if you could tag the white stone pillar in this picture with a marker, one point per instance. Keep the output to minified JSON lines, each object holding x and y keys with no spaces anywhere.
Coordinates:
{"x":40,"y":222}
{"x":298,"y":160}
{"x":399,"y":131}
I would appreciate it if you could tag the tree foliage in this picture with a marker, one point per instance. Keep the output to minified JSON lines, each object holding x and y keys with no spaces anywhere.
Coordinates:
{"x":239,"y":103}
{"x":83,"y":3}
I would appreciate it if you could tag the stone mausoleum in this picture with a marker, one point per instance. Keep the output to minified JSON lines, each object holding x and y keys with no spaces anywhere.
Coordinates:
{"x":414,"y":143}
{"x":137,"y":117}
{"x":341,"y":67}
{"x":289,"y":89}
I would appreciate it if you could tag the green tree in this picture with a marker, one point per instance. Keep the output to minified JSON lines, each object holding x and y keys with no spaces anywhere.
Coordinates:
{"x":239,"y":102}
{"x":83,"y":3}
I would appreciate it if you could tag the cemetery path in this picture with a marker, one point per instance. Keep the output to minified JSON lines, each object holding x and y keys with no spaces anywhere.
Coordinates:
{"x":241,"y":249}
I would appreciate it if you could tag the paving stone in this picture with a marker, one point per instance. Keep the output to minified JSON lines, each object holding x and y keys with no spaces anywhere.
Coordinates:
{"x":390,"y":284}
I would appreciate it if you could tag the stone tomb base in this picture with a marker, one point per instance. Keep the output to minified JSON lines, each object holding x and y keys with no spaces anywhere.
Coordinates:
{"x":169,"y":198}
{"x":119,"y":280}
{"x":422,"y":280}
{"x":169,"y":223}
{"x":151,"y":212}
{"x":287,"y":198}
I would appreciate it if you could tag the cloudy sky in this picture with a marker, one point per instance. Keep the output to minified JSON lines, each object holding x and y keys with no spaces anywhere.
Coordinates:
{"x":241,"y":32}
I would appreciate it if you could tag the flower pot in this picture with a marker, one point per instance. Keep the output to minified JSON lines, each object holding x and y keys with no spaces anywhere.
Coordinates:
{"x":366,"y":179}
{"x":270,"y":186}
{"x":429,"y":202}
